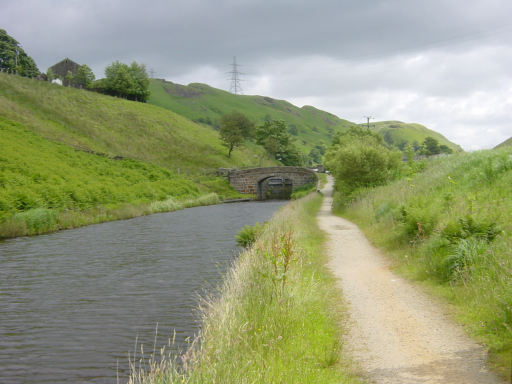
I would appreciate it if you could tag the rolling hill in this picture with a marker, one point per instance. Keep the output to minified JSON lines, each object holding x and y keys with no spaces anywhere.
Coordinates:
{"x":204,"y":104}
{"x":506,"y":143}
{"x":399,"y":134}
{"x":116,"y":127}
{"x":309,"y":125}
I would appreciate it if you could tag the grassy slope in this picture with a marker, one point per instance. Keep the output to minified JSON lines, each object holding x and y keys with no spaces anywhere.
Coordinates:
{"x":200,"y":101}
{"x":410,"y":132}
{"x":46,"y":186}
{"x":117,"y":127}
{"x":506,"y":143}
{"x":270,"y":323}
{"x":439,"y":226}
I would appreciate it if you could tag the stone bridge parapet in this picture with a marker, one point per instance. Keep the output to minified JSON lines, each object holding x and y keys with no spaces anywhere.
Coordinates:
{"x":254,"y":180}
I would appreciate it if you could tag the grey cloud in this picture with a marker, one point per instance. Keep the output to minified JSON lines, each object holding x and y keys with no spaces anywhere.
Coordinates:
{"x":422,"y":61}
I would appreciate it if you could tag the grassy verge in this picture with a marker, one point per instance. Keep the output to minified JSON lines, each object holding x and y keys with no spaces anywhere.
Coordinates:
{"x":449,"y":226}
{"x":276,"y":317}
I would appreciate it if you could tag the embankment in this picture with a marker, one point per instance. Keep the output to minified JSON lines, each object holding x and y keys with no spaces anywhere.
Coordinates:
{"x":276,"y":317}
{"x":47,"y":186}
{"x":449,"y":227}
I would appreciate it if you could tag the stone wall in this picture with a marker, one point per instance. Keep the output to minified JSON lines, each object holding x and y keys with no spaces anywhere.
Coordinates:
{"x":249,"y":180}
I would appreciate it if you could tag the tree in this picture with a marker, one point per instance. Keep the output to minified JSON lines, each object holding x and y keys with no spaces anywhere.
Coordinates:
{"x":68,"y":80}
{"x":127,"y":81}
{"x":84,"y":77}
{"x":238,"y":119}
{"x":13,"y":58}
{"x":445,"y":149}
{"x":360,"y":159}
{"x":50,"y":76}
{"x":230,"y":133}
{"x":273,"y":136}
{"x":430,"y":146}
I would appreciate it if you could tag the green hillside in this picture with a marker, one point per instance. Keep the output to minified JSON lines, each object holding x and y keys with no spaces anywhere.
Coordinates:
{"x":506,"y":143}
{"x":309,"y":126}
{"x":400,"y":134}
{"x":205,"y":104}
{"x":117,"y":127}
{"x":71,"y":157}
{"x":42,"y":183}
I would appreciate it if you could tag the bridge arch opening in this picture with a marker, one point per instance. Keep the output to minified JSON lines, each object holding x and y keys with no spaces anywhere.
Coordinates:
{"x":274,"y":188}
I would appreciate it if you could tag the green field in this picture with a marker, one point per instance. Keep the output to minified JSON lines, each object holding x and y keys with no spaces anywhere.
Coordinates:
{"x":396,"y":133}
{"x":205,"y":104}
{"x":449,"y":226}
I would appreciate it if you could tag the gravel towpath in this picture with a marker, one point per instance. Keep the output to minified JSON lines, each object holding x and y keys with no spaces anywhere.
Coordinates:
{"x":396,"y":333}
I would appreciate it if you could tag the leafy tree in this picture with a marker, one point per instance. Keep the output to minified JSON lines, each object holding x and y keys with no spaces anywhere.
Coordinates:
{"x":315,"y":156}
{"x":232,"y":129}
{"x":50,"y":75}
{"x":431,"y":146}
{"x":238,"y":119}
{"x":68,"y":80}
{"x":273,"y":136}
{"x":321,"y":148}
{"x":360,"y":159}
{"x":84,"y":77}
{"x":127,"y":81}
{"x":13,"y":58}
{"x":293,"y":130}
{"x":445,"y":149}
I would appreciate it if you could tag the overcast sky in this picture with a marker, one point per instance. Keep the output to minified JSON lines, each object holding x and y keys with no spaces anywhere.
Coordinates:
{"x":446,"y":64}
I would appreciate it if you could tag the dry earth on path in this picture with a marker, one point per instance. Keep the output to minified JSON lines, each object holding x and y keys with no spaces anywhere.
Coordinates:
{"x":396,"y":333}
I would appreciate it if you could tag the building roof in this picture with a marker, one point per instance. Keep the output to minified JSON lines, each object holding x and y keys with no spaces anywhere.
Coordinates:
{"x":62,"y":67}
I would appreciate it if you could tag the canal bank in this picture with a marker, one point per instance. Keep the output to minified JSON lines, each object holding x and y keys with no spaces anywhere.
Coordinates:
{"x":275,"y":319}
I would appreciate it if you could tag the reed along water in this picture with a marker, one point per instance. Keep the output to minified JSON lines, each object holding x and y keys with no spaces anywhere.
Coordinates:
{"x":74,"y":303}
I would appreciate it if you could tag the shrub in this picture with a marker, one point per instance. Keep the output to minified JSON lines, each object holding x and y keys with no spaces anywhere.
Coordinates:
{"x":361,"y":161}
{"x":248,"y":235}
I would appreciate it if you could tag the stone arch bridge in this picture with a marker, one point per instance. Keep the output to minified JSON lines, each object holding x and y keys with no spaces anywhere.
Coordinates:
{"x":270,"y":182}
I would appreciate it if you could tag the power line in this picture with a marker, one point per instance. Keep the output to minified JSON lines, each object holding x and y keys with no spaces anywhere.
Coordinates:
{"x":235,"y":78}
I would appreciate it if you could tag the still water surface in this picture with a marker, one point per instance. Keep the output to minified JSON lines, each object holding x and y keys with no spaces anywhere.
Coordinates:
{"x":73,"y":303}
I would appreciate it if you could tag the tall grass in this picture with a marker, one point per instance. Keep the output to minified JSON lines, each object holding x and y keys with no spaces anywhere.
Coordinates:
{"x":275,"y":318}
{"x":450,"y":226}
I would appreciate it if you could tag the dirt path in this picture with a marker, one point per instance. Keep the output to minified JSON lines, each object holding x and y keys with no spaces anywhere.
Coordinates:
{"x":396,"y":333}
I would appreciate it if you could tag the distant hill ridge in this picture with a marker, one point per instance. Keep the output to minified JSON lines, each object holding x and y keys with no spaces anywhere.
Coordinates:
{"x":399,"y":134}
{"x":205,"y":104}
{"x":310,"y":126}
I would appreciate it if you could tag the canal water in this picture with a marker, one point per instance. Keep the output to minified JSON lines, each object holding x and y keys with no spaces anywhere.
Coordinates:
{"x":74,"y":303}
